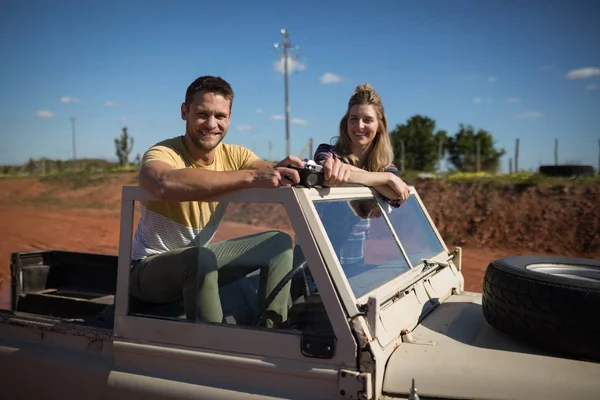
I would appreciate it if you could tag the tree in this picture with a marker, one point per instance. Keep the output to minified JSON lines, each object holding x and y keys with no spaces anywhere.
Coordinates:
{"x":124,"y":145}
{"x":421,"y":143}
{"x":462,"y":150}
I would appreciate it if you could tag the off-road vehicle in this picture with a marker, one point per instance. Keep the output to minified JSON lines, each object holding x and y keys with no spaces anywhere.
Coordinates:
{"x":389,"y":322}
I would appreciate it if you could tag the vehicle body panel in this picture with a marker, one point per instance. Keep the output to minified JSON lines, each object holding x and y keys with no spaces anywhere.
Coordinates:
{"x":458,"y":355}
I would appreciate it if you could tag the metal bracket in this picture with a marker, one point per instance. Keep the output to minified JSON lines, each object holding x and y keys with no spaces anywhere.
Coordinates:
{"x":458,"y":258}
{"x":373,"y":315}
{"x":432,"y":263}
{"x":317,"y":346}
{"x":355,"y":385}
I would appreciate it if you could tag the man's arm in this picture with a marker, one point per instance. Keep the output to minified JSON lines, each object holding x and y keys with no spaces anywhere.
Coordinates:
{"x":194,"y":184}
{"x":286,"y":162}
{"x":258,"y":164}
{"x":168,"y":183}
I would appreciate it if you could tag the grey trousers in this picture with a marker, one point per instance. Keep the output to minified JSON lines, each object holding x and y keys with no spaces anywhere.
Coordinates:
{"x":195,"y":273}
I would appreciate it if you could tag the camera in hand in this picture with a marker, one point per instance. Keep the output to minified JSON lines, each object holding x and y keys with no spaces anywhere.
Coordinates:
{"x":311,"y":175}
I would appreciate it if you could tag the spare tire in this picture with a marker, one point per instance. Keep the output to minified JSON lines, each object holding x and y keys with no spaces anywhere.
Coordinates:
{"x":549,"y":302}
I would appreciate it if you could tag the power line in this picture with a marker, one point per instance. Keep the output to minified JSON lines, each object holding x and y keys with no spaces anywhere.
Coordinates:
{"x":285,"y":46}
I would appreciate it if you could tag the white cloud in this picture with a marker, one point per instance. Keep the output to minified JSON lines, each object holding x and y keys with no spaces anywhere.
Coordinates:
{"x":592,"y":86}
{"x":243,"y":128}
{"x":110,"y":104}
{"x":529,"y":114}
{"x":479,"y":100}
{"x":293,"y":65}
{"x":513,"y":100}
{"x":259,"y":111}
{"x":44,"y":114}
{"x":299,"y":121}
{"x":69,"y":100}
{"x":583,"y":73}
{"x":492,"y":79}
{"x":124,"y":119}
{"x":548,"y":67}
{"x":330,"y":77}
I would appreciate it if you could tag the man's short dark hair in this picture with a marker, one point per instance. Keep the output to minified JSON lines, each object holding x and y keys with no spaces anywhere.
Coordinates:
{"x":209,"y":84}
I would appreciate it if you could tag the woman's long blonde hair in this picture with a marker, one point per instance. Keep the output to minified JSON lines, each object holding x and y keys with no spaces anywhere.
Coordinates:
{"x":380,"y":153}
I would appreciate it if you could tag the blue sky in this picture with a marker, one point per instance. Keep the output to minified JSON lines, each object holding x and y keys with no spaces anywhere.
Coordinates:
{"x":519,"y":69}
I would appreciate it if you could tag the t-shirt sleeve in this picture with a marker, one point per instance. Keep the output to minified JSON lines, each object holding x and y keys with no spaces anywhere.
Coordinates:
{"x":244,"y":157}
{"x":159,"y":153}
{"x":393,"y":169}
{"x":323,"y":152}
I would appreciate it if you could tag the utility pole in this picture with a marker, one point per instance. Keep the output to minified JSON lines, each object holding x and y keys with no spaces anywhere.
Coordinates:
{"x":478,"y":156}
{"x":73,"y":138}
{"x":517,"y":156}
{"x":285,"y":46}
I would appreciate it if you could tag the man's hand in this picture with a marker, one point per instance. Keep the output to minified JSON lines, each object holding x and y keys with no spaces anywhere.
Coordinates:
{"x":266,"y":177}
{"x":336,"y":172}
{"x":289,"y":176}
{"x":290,"y":160}
{"x":269,"y":175}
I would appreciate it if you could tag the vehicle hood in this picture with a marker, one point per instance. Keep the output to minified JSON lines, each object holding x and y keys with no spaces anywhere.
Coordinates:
{"x":472,"y":360}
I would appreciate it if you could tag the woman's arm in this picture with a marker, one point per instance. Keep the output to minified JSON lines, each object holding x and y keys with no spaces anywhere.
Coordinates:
{"x":387,"y":183}
{"x":382,"y":182}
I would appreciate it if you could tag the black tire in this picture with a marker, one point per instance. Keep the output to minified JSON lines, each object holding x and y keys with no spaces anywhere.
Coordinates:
{"x":555,"y":313}
{"x":566,"y":170}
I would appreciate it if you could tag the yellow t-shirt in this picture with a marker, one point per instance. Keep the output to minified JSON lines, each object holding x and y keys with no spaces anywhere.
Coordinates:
{"x":168,"y":225}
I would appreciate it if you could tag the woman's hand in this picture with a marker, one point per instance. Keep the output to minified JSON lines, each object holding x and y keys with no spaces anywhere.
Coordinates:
{"x":336,"y":172}
{"x":399,"y":186}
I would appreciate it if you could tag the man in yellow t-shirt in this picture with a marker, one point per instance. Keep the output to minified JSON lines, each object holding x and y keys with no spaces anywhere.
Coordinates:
{"x":172,"y":254}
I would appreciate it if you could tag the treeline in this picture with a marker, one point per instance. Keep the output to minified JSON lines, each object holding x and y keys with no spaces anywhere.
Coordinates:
{"x":44,"y":166}
{"x":419,"y":146}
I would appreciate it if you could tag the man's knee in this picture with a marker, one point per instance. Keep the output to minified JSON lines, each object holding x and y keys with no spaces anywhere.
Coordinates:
{"x":279,"y":240}
{"x":197,"y":260}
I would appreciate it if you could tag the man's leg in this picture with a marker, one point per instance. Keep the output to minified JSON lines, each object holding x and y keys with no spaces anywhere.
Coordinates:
{"x":298,"y":259}
{"x":270,"y":251}
{"x":189,"y":271}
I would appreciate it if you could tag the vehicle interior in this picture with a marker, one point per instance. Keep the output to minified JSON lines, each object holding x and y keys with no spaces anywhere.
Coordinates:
{"x":81,"y":287}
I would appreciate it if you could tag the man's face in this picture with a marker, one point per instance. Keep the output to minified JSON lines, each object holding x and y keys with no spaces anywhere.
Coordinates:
{"x":206,"y":119}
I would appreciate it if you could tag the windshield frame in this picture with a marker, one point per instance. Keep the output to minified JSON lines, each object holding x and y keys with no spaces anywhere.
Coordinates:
{"x":353,"y":305}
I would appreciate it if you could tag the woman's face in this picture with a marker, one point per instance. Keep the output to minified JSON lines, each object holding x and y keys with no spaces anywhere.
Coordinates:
{"x":362,"y":125}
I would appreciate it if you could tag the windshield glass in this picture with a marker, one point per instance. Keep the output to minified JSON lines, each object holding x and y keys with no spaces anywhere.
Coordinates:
{"x":365,"y":246}
{"x":414,"y":231}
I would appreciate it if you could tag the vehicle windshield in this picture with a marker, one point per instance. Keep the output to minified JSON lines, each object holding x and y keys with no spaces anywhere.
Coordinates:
{"x":365,"y":245}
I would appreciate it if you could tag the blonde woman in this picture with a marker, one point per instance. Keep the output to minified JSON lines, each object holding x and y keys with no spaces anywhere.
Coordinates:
{"x":363,"y":155}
